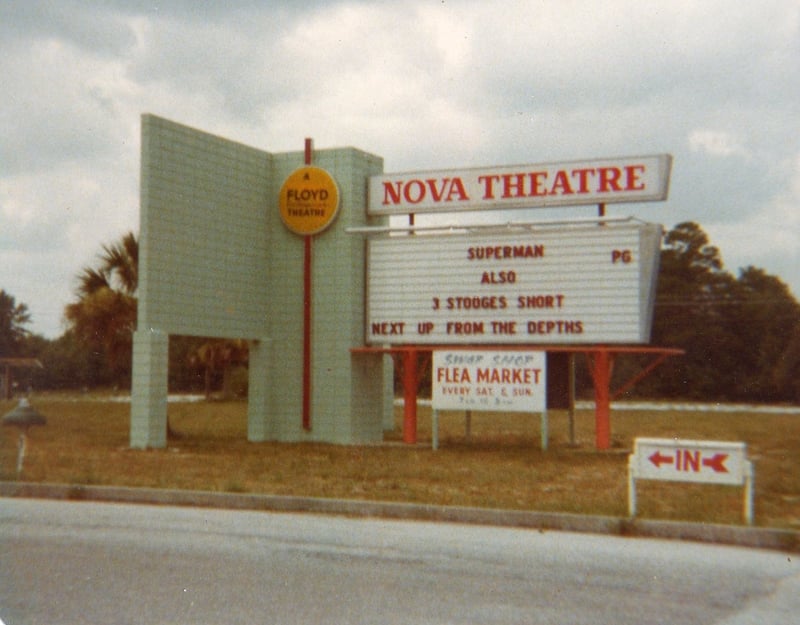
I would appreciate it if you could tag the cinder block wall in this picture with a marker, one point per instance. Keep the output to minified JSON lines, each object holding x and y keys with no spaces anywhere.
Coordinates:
{"x":344,"y":406}
{"x":216,"y":260}
{"x":203,"y":240}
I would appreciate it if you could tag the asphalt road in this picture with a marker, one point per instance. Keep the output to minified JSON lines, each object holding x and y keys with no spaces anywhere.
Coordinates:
{"x":70,"y":562}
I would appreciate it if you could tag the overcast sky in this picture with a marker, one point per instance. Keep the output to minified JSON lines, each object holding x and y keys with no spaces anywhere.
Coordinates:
{"x":426,"y":84}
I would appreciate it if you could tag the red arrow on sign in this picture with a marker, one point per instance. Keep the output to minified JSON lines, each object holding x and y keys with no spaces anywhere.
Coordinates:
{"x":716,"y":463}
{"x":658,"y":459}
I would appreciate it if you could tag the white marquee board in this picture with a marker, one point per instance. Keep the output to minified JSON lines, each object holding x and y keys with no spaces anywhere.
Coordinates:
{"x":582,"y":284}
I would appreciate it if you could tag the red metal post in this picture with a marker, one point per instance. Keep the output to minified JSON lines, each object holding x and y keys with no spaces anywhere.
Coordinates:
{"x":410,"y":384}
{"x":601,"y":373}
{"x":307,"y":334}
{"x":410,"y":396}
{"x":307,"y":258}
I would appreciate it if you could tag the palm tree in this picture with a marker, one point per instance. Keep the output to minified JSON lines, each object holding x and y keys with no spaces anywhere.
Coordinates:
{"x":104,"y":314}
{"x":121,"y":263}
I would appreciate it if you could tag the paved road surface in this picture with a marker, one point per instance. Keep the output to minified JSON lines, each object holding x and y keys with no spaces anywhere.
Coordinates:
{"x":71,"y":562}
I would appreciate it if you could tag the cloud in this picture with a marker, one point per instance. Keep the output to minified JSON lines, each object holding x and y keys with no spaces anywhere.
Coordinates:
{"x":715,"y":143}
{"x":770,"y":231}
{"x":425,"y":84}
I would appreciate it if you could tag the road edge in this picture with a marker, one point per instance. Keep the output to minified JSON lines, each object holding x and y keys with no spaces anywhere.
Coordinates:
{"x":735,"y":535}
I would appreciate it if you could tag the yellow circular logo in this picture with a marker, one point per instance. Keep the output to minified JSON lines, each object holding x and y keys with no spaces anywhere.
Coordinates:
{"x":309,"y":200}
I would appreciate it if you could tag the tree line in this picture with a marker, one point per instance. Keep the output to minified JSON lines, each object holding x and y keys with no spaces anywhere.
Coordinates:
{"x":741,"y":334}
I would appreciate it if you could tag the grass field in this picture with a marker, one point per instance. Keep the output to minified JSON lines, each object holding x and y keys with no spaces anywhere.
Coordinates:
{"x":501,"y":465}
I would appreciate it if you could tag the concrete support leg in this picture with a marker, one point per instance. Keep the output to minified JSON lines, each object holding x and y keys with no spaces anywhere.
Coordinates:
{"x":367,"y":393}
{"x":259,"y":422}
{"x":149,"y":389}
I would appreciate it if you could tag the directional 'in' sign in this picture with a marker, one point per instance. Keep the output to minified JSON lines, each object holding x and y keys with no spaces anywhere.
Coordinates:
{"x":712,"y":462}
{"x":690,"y":461}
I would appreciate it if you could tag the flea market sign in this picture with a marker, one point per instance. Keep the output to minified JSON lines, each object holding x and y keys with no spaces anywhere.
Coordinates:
{"x":574,"y":183}
{"x":486,"y":380}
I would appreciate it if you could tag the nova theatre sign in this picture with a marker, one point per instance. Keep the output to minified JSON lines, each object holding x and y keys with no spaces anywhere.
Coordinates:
{"x":568,"y":283}
{"x":574,"y":183}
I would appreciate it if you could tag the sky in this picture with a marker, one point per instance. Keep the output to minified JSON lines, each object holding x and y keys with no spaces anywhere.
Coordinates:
{"x":425,"y":84}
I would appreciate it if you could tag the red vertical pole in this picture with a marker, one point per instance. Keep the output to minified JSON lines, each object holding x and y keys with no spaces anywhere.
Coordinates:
{"x":602,"y":398}
{"x":410,"y":386}
{"x":307,"y":258}
{"x":410,"y":396}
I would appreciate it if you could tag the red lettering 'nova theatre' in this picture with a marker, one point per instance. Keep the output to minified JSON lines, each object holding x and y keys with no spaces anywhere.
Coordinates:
{"x":630,"y":179}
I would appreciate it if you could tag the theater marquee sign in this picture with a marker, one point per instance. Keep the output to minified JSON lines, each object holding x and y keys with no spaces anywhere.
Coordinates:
{"x":574,"y":285}
{"x":575,"y":282}
{"x":574,"y":183}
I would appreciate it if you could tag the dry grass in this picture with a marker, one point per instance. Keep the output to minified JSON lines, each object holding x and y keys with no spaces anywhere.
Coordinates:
{"x":501,"y":465}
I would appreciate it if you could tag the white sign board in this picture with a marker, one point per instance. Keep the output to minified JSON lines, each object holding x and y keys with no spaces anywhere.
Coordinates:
{"x":676,"y":460}
{"x":489,"y":380}
{"x":575,"y":183}
{"x":582,"y":284}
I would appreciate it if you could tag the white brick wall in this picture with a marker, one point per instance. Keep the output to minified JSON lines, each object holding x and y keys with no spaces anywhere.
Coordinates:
{"x":216,"y":260}
{"x":204,"y":240}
